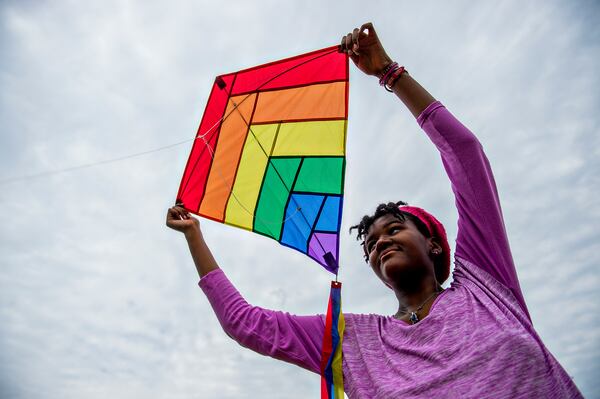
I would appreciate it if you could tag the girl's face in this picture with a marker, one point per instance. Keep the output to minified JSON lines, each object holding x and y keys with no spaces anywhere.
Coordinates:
{"x":398,"y":252}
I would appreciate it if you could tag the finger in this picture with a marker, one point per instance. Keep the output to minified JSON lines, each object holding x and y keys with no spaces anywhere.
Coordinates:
{"x":178,"y":213}
{"x":182,"y":211}
{"x":355,"y":34}
{"x":172,"y":216}
{"x":172,"y":213}
{"x":348,"y":40}
{"x":368,"y":26}
{"x":343,"y":44}
{"x":183,"y":214}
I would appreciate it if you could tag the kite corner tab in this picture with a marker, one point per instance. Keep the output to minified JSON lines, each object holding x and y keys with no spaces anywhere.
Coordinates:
{"x":220,"y":82}
{"x":330,"y":260}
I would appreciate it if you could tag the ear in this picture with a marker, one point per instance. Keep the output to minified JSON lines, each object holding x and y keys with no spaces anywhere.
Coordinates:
{"x":435,"y":249}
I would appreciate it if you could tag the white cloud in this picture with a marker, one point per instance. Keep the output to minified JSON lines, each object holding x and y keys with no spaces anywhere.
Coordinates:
{"x":99,"y":299}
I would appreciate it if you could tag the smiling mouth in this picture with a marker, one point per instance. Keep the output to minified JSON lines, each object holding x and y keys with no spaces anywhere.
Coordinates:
{"x":386,"y":253}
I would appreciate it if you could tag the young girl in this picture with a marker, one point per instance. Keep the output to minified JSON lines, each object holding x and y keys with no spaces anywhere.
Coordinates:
{"x":472,"y":340}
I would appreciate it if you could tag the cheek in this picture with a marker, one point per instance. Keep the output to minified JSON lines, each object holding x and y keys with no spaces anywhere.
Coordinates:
{"x":373,"y":266}
{"x":370,"y":258}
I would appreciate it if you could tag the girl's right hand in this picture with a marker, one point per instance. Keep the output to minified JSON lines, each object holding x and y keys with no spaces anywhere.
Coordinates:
{"x":180,"y":219}
{"x":366,"y":50}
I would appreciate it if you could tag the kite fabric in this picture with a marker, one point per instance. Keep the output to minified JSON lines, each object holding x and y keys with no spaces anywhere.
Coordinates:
{"x":332,"y":383}
{"x":269,"y":155}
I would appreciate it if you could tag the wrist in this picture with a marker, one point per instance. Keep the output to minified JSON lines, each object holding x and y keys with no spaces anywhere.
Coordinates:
{"x":193,"y":234}
{"x":382,"y":69}
{"x":394,"y":75}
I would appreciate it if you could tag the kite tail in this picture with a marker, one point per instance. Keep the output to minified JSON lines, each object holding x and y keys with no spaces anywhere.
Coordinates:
{"x":332,"y":381}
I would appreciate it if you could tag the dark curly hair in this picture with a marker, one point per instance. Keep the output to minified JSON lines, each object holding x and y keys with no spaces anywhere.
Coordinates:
{"x":391,"y":208}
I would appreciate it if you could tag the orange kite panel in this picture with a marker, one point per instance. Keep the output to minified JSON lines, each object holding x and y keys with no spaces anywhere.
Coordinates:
{"x":227,"y":156}
{"x":320,"y":101}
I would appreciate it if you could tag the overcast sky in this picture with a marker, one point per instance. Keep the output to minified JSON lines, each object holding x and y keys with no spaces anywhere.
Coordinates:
{"x":98,"y":299}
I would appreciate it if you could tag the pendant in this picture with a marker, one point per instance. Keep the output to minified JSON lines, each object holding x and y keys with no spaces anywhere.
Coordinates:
{"x":414,"y":318}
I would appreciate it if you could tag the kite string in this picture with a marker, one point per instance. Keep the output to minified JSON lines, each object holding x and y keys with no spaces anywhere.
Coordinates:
{"x":91,"y":164}
{"x":111,"y":160}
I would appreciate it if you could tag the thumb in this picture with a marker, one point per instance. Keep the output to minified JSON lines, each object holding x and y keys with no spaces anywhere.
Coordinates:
{"x":368,"y":26}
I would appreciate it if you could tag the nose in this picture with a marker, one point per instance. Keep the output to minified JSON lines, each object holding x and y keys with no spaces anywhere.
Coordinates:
{"x":382,"y":242}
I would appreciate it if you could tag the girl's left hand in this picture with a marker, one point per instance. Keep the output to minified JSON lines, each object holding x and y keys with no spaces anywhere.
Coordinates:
{"x":180,"y":219}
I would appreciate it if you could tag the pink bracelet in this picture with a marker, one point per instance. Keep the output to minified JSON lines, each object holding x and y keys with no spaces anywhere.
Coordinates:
{"x":389,"y":84}
{"x":387,"y":72}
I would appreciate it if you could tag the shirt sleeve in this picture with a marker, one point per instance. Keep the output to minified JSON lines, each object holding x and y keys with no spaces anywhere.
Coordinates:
{"x":481,"y":237}
{"x":294,"y":339}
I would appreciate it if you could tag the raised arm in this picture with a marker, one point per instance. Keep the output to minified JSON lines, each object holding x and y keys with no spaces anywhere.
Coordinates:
{"x":482,"y":238}
{"x":294,"y":339}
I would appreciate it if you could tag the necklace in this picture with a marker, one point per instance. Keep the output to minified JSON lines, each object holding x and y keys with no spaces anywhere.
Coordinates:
{"x":414,"y":318}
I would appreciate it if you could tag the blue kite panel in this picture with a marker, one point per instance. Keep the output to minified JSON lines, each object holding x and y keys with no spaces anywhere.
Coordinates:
{"x":329,"y":218}
{"x":300,"y":216}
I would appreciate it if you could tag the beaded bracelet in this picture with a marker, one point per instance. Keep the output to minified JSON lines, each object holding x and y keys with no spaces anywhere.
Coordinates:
{"x":389,"y":84}
{"x":387,"y":71}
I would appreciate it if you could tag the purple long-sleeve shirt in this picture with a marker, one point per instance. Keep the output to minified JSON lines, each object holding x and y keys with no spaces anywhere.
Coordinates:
{"x":476,"y":342}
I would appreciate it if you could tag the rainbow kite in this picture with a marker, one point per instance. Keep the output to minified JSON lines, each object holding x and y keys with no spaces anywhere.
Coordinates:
{"x":269,"y":157}
{"x":270,"y":153}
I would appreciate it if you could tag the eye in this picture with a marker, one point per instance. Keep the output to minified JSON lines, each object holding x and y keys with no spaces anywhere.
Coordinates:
{"x":393,"y":229}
